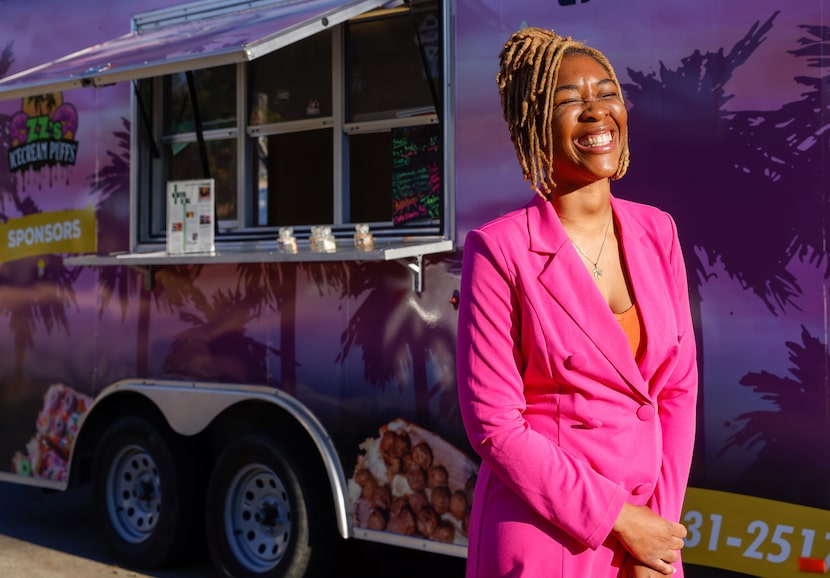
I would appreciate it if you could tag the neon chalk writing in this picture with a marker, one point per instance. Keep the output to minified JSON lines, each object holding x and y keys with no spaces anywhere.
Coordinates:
{"x":416,"y":173}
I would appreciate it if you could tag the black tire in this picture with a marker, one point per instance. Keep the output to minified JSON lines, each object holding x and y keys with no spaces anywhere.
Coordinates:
{"x":144,"y":494}
{"x":262,"y":519}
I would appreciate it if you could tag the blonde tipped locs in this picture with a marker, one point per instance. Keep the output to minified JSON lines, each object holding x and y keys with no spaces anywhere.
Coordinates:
{"x":528,"y":71}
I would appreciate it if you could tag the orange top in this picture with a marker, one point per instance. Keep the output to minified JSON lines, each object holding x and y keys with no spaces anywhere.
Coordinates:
{"x":632,"y":325}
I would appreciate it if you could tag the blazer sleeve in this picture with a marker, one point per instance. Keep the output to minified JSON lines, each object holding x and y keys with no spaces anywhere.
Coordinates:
{"x":678,"y":399}
{"x":564,"y":490}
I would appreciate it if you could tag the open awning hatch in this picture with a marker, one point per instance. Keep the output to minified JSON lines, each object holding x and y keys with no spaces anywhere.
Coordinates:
{"x":188,"y":37}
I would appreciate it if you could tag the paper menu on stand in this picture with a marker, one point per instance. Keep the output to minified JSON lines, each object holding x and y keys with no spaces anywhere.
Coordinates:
{"x":190,"y":214}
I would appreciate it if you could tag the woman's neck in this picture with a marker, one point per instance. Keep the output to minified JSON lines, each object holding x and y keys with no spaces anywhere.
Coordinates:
{"x":584,"y":208}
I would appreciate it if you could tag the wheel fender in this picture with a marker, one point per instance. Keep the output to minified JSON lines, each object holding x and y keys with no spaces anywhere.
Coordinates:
{"x":189,"y":407}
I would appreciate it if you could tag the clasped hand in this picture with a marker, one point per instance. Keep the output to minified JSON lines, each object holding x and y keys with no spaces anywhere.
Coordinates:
{"x":653,"y":542}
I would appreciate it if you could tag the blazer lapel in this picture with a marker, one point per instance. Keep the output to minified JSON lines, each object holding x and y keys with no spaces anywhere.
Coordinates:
{"x":569,"y":283}
{"x":654,"y":304}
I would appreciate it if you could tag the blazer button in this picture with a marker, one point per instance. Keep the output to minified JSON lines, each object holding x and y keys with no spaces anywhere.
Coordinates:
{"x":592,"y":423}
{"x":645,"y":412}
{"x":576,"y":361}
{"x":641,"y":489}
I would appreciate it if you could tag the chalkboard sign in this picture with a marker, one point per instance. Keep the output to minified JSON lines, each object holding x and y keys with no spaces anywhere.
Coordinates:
{"x":416,"y":173}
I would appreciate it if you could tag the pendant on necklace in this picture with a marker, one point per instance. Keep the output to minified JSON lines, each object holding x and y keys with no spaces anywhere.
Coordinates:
{"x":597,"y":272}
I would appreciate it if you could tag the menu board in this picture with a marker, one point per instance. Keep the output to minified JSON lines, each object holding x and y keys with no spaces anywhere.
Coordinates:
{"x":416,"y":173}
{"x":190,"y":211}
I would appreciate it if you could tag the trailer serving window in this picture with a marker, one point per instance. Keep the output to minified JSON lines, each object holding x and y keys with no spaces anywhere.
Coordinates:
{"x":304,"y":112}
{"x":304,"y":135}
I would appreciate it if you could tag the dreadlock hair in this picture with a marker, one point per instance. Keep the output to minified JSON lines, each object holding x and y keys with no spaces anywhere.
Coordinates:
{"x":528,"y":72}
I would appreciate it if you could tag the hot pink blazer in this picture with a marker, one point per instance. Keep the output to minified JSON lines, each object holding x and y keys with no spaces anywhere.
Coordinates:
{"x":568,"y":425}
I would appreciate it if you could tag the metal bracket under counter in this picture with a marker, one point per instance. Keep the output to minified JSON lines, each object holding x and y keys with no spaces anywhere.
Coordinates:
{"x":408,"y":253}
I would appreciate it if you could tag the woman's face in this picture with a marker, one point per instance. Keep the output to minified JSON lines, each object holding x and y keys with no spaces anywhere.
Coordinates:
{"x":589,"y":123}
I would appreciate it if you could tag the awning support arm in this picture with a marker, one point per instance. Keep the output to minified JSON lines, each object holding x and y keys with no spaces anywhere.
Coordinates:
{"x":197,"y":120}
{"x":200,"y":136}
{"x":425,"y":62}
{"x":146,"y":121}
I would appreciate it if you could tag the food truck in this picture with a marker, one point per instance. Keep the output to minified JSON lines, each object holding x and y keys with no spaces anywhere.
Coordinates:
{"x":230,"y":244}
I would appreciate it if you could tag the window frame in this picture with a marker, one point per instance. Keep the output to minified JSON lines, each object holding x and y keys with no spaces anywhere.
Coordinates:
{"x":148,"y":178}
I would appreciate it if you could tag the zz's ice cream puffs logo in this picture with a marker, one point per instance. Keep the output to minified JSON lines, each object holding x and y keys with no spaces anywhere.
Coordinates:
{"x":43,"y":133}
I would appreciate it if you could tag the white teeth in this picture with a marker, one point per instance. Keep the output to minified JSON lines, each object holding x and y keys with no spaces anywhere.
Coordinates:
{"x":596,"y":140}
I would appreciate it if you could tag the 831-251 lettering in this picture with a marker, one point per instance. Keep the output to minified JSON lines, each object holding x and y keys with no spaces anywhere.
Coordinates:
{"x":756,"y":536}
{"x":760,"y":542}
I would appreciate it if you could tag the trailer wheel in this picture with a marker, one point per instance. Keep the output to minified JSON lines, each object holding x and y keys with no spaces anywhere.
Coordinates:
{"x":144,"y":497}
{"x":261,"y":520}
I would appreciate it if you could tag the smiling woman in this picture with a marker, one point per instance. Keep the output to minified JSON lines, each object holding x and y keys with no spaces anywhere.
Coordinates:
{"x":531,"y":97}
{"x":587,"y":109}
{"x":577,"y":389}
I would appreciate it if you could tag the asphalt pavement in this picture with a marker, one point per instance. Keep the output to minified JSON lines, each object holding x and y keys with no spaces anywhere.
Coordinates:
{"x":53,"y":535}
{"x":46,"y":534}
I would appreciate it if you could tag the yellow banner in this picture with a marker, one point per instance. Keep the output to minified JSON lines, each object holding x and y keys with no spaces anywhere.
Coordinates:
{"x":72,"y":231}
{"x":755,"y":536}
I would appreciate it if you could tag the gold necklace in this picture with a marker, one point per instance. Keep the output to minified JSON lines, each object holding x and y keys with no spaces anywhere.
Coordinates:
{"x":597,"y":272}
